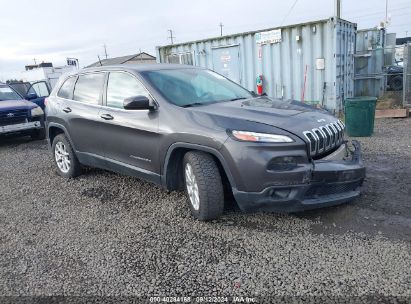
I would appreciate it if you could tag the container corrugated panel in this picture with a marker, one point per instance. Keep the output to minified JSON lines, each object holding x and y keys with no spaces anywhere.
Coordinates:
{"x":389,"y":46}
{"x":319,"y":54}
{"x":369,"y":62}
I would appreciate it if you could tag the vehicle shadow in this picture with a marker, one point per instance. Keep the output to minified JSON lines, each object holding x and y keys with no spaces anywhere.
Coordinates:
{"x":14,"y":140}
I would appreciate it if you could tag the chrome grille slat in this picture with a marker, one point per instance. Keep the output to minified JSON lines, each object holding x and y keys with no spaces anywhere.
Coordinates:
{"x":311,"y":139}
{"x":325,"y":137}
{"x":335,"y":134}
{"x":339,"y":132}
{"x":331,"y":135}
{"x":320,"y":139}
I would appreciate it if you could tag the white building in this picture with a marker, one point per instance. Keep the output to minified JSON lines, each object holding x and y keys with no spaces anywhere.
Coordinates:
{"x":45,"y":72}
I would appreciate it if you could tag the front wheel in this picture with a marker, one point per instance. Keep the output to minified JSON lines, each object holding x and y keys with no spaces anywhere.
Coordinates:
{"x":204,"y":186}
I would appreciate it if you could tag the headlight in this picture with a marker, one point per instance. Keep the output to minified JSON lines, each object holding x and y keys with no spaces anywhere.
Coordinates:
{"x":261,"y":137}
{"x":37,"y":111}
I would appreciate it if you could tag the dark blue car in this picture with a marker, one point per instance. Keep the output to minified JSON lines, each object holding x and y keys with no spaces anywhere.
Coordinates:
{"x":19,"y":116}
{"x":35,"y":92}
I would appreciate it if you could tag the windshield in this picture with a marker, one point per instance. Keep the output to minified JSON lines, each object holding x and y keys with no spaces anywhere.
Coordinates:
{"x":6,"y":93}
{"x":185,"y":87}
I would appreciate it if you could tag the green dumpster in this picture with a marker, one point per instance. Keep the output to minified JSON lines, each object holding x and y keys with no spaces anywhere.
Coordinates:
{"x":359,"y":115}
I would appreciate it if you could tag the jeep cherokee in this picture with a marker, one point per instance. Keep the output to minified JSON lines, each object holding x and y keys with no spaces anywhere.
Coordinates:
{"x":184,"y":127}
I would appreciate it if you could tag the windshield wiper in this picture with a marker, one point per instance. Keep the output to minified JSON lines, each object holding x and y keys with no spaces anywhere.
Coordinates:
{"x":194,"y":104}
{"x":238,"y":98}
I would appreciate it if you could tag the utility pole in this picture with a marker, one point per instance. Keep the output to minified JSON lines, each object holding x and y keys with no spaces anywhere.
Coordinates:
{"x":171,"y":36}
{"x":105,"y":50}
{"x":35,"y":62}
{"x":99,"y":60}
{"x":221,"y":28}
{"x":386,"y":13}
{"x":337,"y":5}
{"x":141,"y":55}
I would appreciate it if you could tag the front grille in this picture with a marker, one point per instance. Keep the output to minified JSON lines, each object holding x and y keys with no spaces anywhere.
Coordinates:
{"x":12,"y":121}
{"x":12,"y":117}
{"x":325,"y":138}
{"x":321,"y":190}
{"x":14,"y":114}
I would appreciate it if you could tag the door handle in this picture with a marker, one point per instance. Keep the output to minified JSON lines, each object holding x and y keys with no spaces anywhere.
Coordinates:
{"x":67,"y":110}
{"x":107,"y":116}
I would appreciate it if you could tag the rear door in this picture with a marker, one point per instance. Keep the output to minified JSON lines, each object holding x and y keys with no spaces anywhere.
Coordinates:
{"x":131,"y":136}
{"x":81,"y":114}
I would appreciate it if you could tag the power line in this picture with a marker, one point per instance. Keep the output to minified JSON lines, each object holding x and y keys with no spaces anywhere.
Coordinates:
{"x":376,"y":12}
{"x":289,"y":12}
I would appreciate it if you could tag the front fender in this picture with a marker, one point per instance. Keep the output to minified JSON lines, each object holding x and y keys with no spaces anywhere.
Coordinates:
{"x":191,"y":146}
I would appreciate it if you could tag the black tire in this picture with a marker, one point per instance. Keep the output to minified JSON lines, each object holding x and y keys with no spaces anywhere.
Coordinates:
{"x":38,"y":134}
{"x":396,"y":83}
{"x":75,"y":166}
{"x":209,"y":183}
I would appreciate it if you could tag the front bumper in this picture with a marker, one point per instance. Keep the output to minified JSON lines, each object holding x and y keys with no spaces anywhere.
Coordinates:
{"x":330,"y":182}
{"x":22,"y":127}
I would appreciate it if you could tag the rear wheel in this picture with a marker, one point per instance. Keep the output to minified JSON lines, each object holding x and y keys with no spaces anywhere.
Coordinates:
{"x":64,"y":157}
{"x":204,"y":186}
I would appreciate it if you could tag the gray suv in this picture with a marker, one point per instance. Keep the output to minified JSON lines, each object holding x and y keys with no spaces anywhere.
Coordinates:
{"x":184,"y":127}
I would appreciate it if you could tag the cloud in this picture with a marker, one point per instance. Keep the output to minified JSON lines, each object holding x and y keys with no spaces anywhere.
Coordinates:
{"x":51,"y":30}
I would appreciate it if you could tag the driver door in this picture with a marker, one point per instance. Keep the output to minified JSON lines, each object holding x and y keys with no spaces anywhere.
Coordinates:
{"x":40,"y":90}
{"x":131,"y":136}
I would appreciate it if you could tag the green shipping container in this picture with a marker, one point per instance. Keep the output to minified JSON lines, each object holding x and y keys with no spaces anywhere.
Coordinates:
{"x":359,"y":115}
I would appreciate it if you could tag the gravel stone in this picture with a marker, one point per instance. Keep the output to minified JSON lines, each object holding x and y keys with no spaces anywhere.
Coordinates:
{"x":104,"y":234}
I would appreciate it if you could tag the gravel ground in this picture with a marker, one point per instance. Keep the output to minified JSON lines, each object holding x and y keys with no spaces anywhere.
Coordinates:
{"x":109,"y":235}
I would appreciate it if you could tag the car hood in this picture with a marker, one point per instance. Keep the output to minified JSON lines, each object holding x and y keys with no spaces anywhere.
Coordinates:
{"x":291,"y":115}
{"x":21,"y":104}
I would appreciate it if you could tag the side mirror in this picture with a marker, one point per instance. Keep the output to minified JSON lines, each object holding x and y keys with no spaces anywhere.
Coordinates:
{"x":31,"y":96}
{"x":138,"y":103}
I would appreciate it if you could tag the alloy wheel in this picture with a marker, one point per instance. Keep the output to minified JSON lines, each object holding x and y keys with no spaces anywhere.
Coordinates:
{"x":62,"y":157}
{"x":192,"y":187}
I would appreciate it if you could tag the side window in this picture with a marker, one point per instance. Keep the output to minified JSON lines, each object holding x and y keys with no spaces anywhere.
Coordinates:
{"x":66,"y":90}
{"x":88,"y":88}
{"x":40,"y":89}
{"x":121,"y":86}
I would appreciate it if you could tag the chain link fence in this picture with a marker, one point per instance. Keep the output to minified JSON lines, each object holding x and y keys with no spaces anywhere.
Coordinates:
{"x":407,"y":76}
{"x":384,"y":73}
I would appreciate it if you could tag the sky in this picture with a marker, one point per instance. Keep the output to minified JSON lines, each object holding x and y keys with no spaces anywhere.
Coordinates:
{"x":51,"y":31}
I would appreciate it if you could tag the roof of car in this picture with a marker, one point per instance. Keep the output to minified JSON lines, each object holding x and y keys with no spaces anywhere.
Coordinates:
{"x":140,"y":67}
